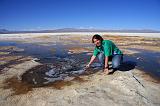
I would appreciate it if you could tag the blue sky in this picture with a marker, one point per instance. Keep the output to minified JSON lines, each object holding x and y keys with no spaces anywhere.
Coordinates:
{"x":102,"y":14}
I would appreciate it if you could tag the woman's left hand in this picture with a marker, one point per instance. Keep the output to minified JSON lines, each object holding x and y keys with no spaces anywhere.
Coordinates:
{"x":106,"y":71}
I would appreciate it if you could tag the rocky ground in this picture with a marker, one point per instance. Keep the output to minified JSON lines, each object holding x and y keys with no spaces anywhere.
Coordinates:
{"x":121,"y":88}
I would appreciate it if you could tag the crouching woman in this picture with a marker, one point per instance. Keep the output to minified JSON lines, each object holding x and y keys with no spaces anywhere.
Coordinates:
{"x":106,"y":50}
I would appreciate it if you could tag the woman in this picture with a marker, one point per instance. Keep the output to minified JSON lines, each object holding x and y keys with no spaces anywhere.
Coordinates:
{"x":105,"y":50}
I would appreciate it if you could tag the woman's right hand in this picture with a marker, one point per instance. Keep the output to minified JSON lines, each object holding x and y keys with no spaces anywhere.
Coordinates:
{"x":91,"y":61}
{"x":88,"y":65}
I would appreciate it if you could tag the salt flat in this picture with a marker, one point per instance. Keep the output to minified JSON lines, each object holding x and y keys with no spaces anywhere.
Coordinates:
{"x":122,"y":88}
{"x":27,"y":35}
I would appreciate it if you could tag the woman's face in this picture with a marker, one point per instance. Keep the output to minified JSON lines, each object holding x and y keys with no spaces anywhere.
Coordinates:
{"x":97,"y":42}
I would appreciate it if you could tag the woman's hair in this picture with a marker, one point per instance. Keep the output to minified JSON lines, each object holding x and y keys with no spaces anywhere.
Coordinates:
{"x":98,"y":37}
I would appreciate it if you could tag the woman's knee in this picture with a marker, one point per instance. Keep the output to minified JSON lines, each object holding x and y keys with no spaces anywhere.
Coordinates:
{"x":115,"y":65}
{"x":116,"y":62}
{"x":101,"y":57}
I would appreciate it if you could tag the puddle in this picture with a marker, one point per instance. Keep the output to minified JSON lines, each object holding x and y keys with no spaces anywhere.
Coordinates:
{"x":48,"y":75}
{"x":45,"y":54}
{"x":45,"y":74}
{"x":60,"y":69}
{"x":66,"y":69}
{"x":37,"y":51}
{"x":147,"y":61}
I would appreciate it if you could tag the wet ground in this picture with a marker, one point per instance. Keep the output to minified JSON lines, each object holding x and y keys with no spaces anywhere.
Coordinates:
{"x":147,"y":61}
{"x":61,"y":65}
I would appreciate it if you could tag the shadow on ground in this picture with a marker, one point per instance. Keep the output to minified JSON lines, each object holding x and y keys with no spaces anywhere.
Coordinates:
{"x":127,"y":66}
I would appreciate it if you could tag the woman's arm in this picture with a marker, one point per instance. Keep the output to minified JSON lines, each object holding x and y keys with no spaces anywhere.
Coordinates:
{"x":106,"y":66}
{"x":106,"y":62}
{"x":91,"y":61}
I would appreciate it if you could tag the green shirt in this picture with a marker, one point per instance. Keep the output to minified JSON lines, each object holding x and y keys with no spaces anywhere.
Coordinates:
{"x":108,"y":47}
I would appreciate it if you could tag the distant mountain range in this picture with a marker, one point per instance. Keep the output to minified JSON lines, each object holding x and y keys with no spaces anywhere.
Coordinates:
{"x":4,"y":31}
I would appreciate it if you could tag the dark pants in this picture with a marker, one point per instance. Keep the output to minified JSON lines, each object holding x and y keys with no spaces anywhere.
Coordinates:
{"x":116,"y":59}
